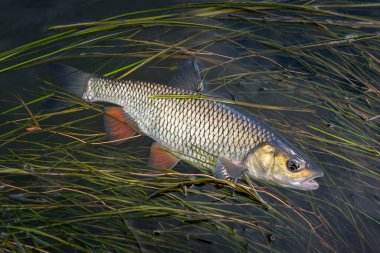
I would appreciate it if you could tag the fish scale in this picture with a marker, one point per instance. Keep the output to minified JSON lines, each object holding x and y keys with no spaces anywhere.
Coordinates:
{"x":199,"y":130}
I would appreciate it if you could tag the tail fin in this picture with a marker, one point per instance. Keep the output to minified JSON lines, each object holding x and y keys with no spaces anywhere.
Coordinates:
{"x":70,"y":80}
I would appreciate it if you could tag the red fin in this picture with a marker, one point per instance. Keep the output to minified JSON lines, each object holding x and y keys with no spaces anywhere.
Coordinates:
{"x":161,"y":158}
{"x":117,"y":124}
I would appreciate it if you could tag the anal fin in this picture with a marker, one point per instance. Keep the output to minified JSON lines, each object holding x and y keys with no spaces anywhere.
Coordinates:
{"x":160,"y":157}
{"x":118,"y":125}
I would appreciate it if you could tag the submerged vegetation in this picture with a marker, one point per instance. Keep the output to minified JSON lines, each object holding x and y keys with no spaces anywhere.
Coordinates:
{"x":310,"y":70}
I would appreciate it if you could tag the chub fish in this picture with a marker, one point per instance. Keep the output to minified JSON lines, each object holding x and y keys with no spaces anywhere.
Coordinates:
{"x":207,"y":133}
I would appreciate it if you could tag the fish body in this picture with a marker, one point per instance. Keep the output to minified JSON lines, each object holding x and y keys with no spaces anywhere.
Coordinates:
{"x":207,"y":133}
{"x":195,"y":129}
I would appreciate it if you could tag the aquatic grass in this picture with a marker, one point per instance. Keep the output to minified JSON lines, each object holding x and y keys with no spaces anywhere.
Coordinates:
{"x":310,"y":70}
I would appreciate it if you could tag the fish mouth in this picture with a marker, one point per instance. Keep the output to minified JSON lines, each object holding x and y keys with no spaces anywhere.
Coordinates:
{"x":307,"y":184}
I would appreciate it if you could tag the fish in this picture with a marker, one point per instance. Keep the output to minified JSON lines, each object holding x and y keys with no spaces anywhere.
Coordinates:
{"x":227,"y":140}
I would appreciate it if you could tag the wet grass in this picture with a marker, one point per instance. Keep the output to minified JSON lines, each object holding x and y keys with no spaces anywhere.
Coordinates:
{"x":310,"y":70}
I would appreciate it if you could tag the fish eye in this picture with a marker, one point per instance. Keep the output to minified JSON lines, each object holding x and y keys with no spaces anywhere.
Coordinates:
{"x":293,"y":165}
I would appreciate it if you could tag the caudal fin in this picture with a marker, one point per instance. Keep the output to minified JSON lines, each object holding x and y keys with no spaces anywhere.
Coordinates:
{"x":70,"y":80}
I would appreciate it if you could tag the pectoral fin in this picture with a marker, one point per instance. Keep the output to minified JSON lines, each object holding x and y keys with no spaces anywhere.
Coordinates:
{"x":225,"y":169}
{"x":160,"y":157}
{"x":118,"y":125}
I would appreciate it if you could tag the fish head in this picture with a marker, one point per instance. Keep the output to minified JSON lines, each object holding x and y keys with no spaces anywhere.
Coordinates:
{"x":284,"y":164}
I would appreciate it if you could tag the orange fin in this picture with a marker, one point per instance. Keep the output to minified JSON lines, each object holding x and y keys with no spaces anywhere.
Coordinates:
{"x":118,"y":125}
{"x":161,"y":158}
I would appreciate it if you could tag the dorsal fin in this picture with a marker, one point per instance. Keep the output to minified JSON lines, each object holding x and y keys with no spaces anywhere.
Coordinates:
{"x":189,"y":77}
{"x":160,"y":157}
{"x":118,"y":124}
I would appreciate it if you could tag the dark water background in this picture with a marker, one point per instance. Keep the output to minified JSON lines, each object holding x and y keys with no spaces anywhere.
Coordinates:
{"x":25,"y":21}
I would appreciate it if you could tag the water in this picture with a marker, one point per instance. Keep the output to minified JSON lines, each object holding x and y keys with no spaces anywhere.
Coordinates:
{"x":341,"y":216}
